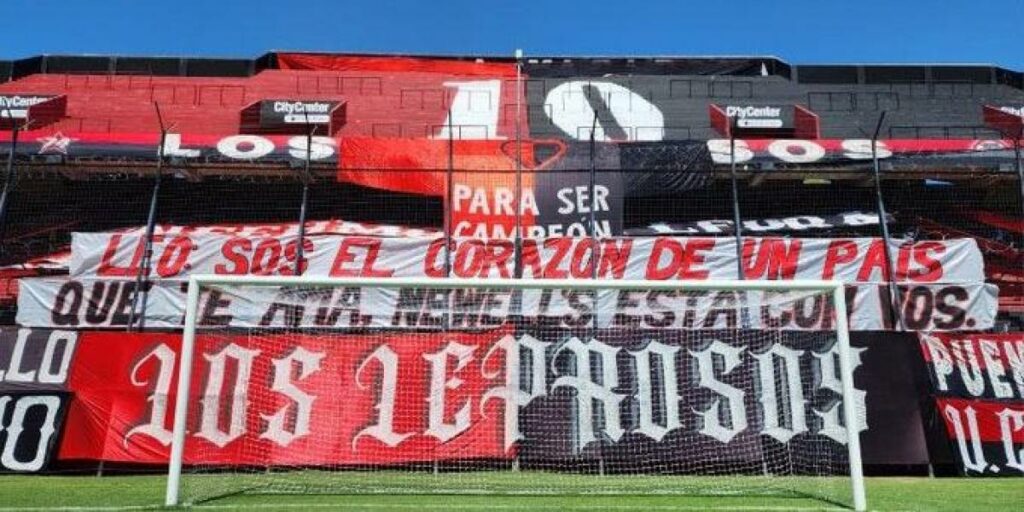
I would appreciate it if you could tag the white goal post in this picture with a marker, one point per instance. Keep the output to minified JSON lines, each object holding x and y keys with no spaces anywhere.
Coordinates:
{"x":832,"y":290}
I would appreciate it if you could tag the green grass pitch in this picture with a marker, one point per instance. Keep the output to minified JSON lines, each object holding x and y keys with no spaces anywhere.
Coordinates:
{"x":404,"y":492}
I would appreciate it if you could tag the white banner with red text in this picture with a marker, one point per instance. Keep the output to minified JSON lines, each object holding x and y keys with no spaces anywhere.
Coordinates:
{"x":177,"y":254}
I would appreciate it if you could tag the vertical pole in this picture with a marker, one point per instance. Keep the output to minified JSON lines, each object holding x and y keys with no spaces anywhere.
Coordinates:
{"x":448,"y":204}
{"x":448,"y":200}
{"x":736,"y":217}
{"x":849,"y":406}
{"x":737,"y":223}
{"x":300,"y":250}
{"x":1020,"y":170}
{"x":518,"y":254}
{"x":519,"y":167}
{"x":593,"y":202}
{"x":593,"y":258}
{"x":142,"y":276}
{"x":594,"y":254}
{"x":894,"y":297}
{"x":181,"y":399}
{"x":8,"y":185}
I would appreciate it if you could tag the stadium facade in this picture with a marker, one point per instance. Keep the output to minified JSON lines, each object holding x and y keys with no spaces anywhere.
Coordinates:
{"x":124,"y":175}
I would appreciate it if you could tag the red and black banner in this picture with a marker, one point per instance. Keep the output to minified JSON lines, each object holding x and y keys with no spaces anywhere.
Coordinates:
{"x":988,"y":436}
{"x":420,"y":396}
{"x":34,"y":398}
{"x":978,"y":381}
{"x":294,"y":399}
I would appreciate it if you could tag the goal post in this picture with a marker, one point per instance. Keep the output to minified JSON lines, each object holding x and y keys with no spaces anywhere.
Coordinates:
{"x":569,"y":417}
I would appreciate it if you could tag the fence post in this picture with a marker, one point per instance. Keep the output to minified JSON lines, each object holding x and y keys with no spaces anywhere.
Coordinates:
{"x":142,"y":275}
{"x":736,"y":216}
{"x":300,"y":251}
{"x":518,"y":272}
{"x":8,"y":187}
{"x":894,"y":297}
{"x":594,"y":259}
{"x":737,"y":224}
{"x":1020,"y":170}
{"x":448,"y":199}
{"x":593,"y":193}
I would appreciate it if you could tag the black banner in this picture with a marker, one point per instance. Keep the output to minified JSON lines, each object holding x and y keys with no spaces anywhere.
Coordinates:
{"x":684,"y":398}
{"x":975,"y":366}
{"x":711,"y":366}
{"x":581,"y":187}
{"x":849,"y":221}
{"x":36,"y":359}
{"x":30,"y":426}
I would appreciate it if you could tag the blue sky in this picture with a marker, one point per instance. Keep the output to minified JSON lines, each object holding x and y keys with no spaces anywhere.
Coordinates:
{"x":801,"y":31}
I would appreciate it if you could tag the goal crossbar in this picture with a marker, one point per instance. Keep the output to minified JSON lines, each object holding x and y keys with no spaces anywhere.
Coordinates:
{"x":832,"y":287}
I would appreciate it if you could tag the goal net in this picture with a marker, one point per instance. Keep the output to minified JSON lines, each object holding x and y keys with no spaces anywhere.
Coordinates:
{"x":396,"y":386}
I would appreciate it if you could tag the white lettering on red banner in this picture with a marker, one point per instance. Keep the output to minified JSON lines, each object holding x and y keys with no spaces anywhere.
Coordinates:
{"x":362,"y":399}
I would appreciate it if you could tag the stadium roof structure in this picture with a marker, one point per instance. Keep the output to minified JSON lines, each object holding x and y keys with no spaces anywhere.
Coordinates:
{"x":101,"y":113}
{"x":739,"y":65}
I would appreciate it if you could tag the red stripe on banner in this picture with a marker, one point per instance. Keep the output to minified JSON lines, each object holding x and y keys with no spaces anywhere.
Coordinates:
{"x":988,"y":421}
{"x":327,"y":391}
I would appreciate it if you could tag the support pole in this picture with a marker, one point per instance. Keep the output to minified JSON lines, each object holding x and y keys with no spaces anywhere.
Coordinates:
{"x":737,"y":223}
{"x":300,"y":250}
{"x":593,"y":193}
{"x":1020,"y":170}
{"x":188,"y":341}
{"x":448,"y":200}
{"x":8,"y":187}
{"x":850,"y":412}
{"x":518,"y":272}
{"x":594,"y":254}
{"x":517,"y":260}
{"x":894,"y":297}
{"x":736,"y":217}
{"x":594,"y":260}
{"x":142,"y":276}
{"x":448,"y":204}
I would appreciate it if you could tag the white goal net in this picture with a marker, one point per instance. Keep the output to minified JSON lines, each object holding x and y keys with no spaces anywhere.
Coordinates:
{"x":391,"y":386}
